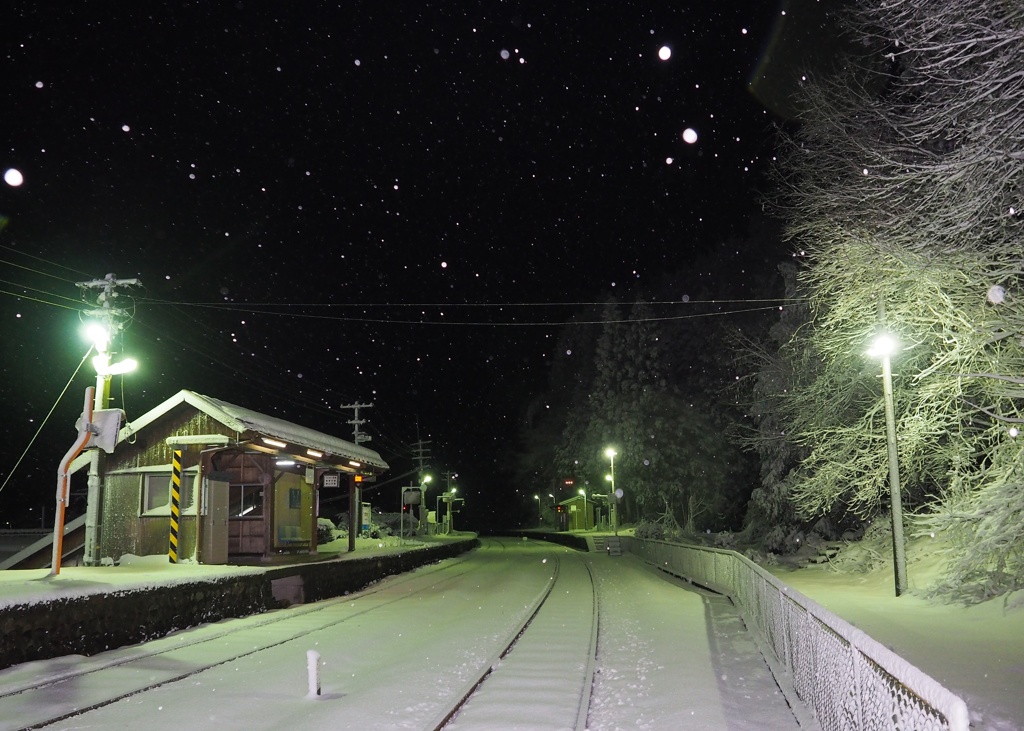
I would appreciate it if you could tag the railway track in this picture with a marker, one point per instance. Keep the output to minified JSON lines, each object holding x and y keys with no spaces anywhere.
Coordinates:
{"x":50,"y":696}
{"x":36,"y":690}
{"x":542,"y":653}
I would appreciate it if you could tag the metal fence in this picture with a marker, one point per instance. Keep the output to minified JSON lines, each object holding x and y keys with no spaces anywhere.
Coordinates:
{"x":845,"y":678}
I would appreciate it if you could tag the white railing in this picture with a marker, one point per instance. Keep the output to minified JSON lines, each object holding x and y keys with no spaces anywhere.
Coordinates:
{"x":845,"y":678}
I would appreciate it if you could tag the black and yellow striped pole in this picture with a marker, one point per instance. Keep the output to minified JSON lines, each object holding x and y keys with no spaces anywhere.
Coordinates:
{"x":172,"y":550}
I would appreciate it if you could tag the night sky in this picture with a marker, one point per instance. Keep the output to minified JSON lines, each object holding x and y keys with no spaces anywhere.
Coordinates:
{"x":395,"y":203}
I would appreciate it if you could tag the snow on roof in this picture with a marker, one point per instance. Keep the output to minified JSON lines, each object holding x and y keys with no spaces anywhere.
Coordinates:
{"x":245,"y":420}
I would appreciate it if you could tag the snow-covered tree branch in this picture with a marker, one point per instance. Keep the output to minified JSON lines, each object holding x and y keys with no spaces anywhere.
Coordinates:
{"x":904,"y":185}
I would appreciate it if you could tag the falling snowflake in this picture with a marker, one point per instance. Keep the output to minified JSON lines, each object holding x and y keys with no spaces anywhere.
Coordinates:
{"x":689,"y":135}
{"x":996,"y":294}
{"x":13,"y":177}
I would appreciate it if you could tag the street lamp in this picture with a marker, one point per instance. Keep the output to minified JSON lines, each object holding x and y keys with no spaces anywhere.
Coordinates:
{"x":883,"y":346}
{"x":610,"y":454}
{"x":584,"y":494}
{"x":540,"y":518}
{"x":449,"y":516}
{"x":100,"y":336}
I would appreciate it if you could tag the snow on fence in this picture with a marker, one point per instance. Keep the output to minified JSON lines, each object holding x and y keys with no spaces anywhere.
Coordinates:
{"x":847,"y":679}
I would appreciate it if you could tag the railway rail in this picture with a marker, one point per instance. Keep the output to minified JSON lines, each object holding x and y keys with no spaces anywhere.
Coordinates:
{"x":48,"y":695}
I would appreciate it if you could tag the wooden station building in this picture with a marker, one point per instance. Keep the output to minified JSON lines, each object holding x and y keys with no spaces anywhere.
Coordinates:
{"x":250,"y":483}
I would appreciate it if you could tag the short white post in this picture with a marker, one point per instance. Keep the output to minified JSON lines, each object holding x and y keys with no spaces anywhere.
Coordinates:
{"x":313,"y":671}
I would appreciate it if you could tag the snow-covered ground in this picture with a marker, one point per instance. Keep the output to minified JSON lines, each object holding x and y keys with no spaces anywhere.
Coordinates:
{"x":669,"y":657}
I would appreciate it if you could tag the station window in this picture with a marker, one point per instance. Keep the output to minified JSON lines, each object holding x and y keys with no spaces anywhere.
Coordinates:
{"x":156,"y":492}
{"x":246,"y":501}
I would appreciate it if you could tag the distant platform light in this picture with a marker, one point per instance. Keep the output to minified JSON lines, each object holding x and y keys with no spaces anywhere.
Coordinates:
{"x":664,"y":53}
{"x":689,"y":135}
{"x":13,"y":177}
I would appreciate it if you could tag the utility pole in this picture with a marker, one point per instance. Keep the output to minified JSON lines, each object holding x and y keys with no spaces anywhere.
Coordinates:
{"x":448,"y":495}
{"x":111,"y":319}
{"x":358,"y":437}
{"x":421,"y":453}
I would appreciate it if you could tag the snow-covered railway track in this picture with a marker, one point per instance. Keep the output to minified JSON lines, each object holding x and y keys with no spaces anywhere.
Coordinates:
{"x":22,"y":688}
{"x":543,"y":676}
{"x":512,"y":625}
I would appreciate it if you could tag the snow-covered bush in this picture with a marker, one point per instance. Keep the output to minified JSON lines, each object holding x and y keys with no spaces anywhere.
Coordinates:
{"x":324,"y":531}
{"x":649,"y":531}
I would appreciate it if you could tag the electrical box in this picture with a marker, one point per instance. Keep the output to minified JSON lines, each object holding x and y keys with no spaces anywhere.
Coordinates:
{"x":106,"y":425}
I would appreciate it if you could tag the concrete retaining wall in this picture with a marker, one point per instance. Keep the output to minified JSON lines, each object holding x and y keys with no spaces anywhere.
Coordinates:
{"x":572,"y":540}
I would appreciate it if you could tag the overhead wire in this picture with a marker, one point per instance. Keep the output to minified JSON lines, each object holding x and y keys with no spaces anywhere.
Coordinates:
{"x":271,"y":380}
{"x":34,"y":271}
{"x":36,"y":299}
{"x":533,"y":323}
{"x":45,"y":261}
{"x":476,"y":304}
{"x":46,"y":419}
{"x":216,"y":357}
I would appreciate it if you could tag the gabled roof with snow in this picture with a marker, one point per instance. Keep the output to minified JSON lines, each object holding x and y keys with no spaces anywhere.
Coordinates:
{"x":246,"y":421}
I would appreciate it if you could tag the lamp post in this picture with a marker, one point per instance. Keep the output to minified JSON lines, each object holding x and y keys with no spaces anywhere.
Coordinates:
{"x":540,"y":517}
{"x":610,"y":454}
{"x":882,"y":347}
{"x":584,"y":494}
{"x":437,"y":514}
{"x":450,"y":517}
{"x":424,"y":505}
{"x":105,"y":370}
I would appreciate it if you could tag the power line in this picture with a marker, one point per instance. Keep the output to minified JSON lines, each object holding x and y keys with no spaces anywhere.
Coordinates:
{"x":46,"y":419}
{"x":45,"y":261}
{"x":228,"y":305}
{"x":534,"y":323}
{"x":42,"y":291}
{"x":42,"y":302}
